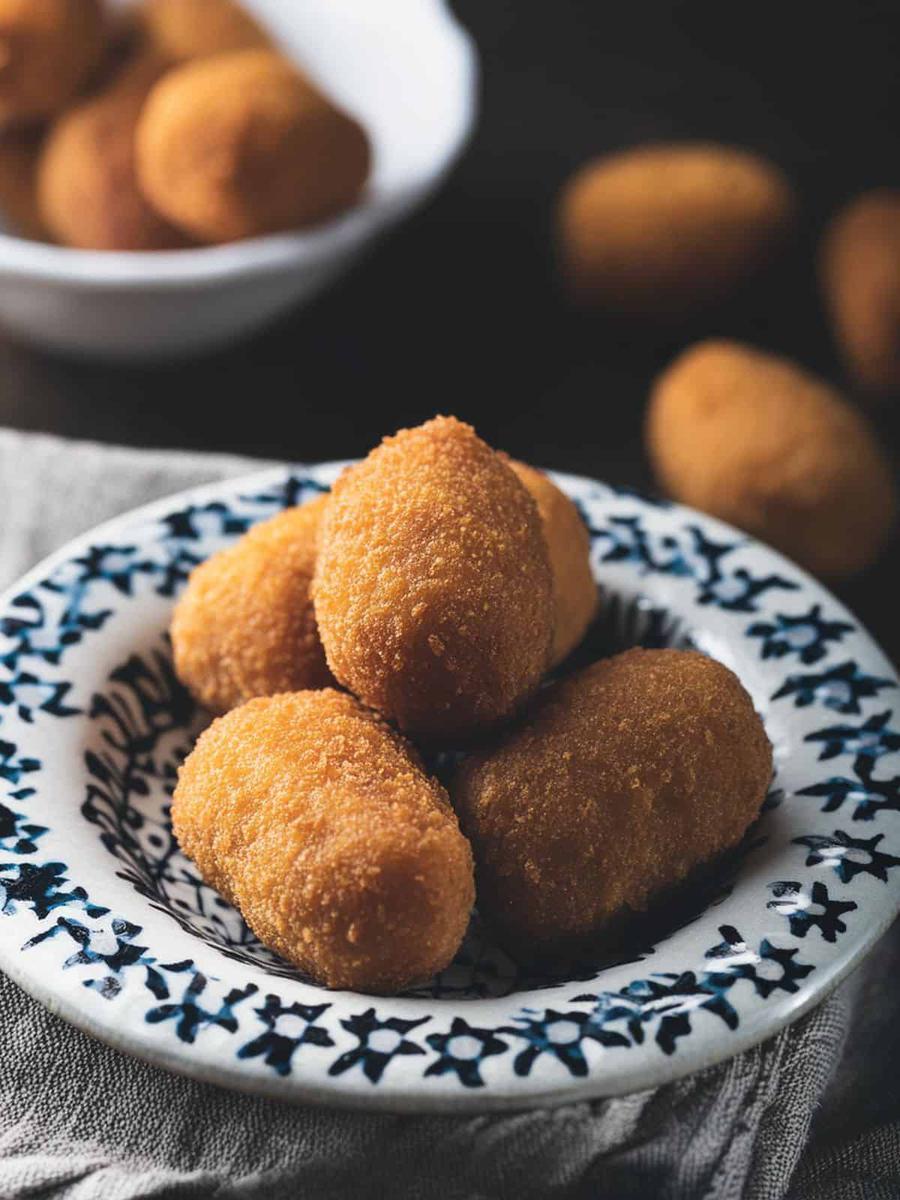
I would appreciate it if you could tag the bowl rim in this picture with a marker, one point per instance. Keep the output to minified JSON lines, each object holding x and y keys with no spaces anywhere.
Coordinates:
{"x":272,"y":254}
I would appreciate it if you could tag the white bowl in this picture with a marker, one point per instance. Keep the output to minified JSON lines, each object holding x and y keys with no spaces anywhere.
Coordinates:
{"x":404,"y":68}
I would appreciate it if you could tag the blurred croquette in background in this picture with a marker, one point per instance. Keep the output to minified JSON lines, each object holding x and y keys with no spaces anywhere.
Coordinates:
{"x":166,"y":124}
{"x":173,"y":124}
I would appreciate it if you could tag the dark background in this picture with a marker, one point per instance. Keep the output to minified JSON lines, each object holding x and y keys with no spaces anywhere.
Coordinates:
{"x":460,"y":310}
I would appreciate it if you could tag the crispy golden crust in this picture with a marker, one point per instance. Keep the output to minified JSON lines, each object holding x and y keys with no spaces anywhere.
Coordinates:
{"x":19,"y":154}
{"x":48,"y":49}
{"x":318,"y":822}
{"x":569,"y":544}
{"x":87,"y":188}
{"x":433,"y":588}
{"x":757,"y":441}
{"x":242,"y":144}
{"x":664,"y":230}
{"x":245,"y":625}
{"x":182,"y":30}
{"x":627,"y":776}
{"x":860,"y":270}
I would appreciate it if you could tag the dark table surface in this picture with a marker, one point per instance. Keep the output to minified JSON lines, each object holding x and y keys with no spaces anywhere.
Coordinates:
{"x":461,"y":311}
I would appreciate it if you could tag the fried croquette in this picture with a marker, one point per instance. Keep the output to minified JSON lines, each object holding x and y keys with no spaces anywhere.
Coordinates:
{"x":87,"y":188}
{"x":860,"y":271}
{"x":242,"y":145}
{"x":181,"y":30}
{"x":627,"y":776}
{"x":245,"y":625}
{"x":569,"y":545}
{"x":48,"y":49}
{"x":666,"y":230}
{"x":433,"y":587}
{"x":19,"y":154}
{"x":317,"y":821}
{"x":759,"y":442}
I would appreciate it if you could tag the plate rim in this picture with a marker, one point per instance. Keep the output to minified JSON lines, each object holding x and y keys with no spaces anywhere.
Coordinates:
{"x":343,"y":1093}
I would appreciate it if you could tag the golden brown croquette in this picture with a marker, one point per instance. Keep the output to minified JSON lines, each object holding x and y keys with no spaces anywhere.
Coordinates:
{"x":759,"y":442}
{"x":664,"y":230}
{"x":48,"y":49}
{"x":317,"y":821}
{"x":87,"y":188}
{"x":242,"y":145}
{"x":569,"y":545}
{"x":19,"y":155}
{"x":181,"y":30}
{"x":860,"y":270}
{"x":433,"y":587}
{"x":627,"y":775}
{"x":245,"y":625}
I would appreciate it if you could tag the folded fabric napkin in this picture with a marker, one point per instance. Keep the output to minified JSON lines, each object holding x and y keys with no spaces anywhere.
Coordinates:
{"x":814,"y":1114}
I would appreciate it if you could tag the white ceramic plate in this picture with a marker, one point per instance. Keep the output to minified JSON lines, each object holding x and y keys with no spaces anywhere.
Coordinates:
{"x":104,"y":921}
{"x":405,"y":68}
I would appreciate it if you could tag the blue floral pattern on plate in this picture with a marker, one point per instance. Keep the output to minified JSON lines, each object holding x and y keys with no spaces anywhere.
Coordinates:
{"x":102,"y":917}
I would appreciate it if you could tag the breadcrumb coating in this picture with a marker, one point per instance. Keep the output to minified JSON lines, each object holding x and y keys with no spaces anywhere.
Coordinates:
{"x":318,"y":822}
{"x":627,"y":775}
{"x":48,"y":49}
{"x":759,"y":442}
{"x":860,"y":269}
{"x":433,"y":588}
{"x":245,"y":625}
{"x":569,"y":545}
{"x":241,"y":145}
{"x":667,"y":229}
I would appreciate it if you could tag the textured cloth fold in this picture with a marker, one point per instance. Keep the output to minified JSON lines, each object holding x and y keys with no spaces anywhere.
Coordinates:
{"x":814,"y":1114}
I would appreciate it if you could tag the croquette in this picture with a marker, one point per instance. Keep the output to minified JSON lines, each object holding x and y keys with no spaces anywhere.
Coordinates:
{"x":87,"y":188}
{"x":19,"y":154}
{"x":245,"y":625}
{"x":627,"y":776}
{"x":569,"y":545}
{"x":433,"y":588}
{"x":243,"y":145}
{"x":48,"y":49}
{"x":860,"y":272}
{"x":759,"y":442}
{"x":665,"y":230}
{"x":317,"y":821}
{"x":181,"y":30}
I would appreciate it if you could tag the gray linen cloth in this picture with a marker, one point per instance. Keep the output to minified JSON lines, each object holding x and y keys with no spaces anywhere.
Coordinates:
{"x":813,"y":1114}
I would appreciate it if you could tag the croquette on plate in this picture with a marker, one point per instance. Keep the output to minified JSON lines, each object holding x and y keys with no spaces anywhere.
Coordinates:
{"x":317,"y":821}
{"x":575,"y":595}
{"x":628,"y":775}
{"x":433,"y":588}
{"x":245,"y":624}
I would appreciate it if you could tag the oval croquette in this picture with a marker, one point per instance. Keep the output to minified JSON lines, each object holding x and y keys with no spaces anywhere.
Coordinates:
{"x":245,"y":625}
{"x":181,"y":30}
{"x":759,"y":442}
{"x":433,"y":587}
{"x":665,"y":230}
{"x":627,"y":775}
{"x":317,"y":821}
{"x":87,"y":188}
{"x":569,"y":545}
{"x":241,"y":145}
{"x":860,"y":270}
{"x":48,"y":49}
